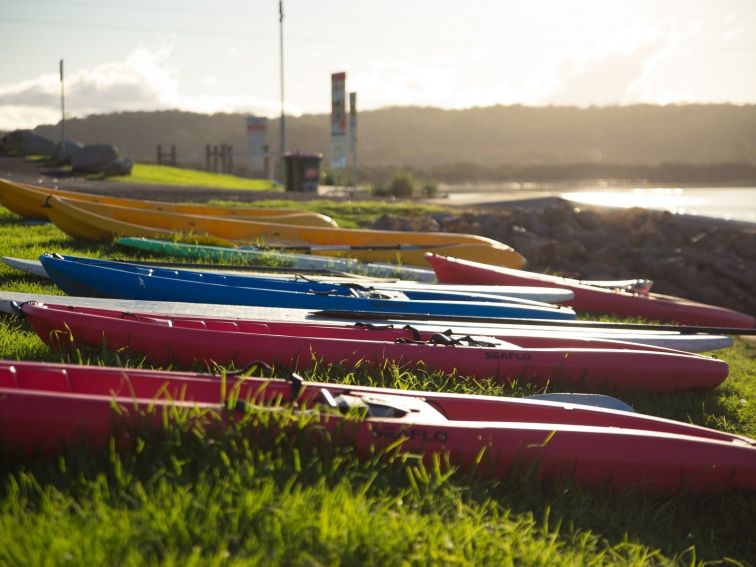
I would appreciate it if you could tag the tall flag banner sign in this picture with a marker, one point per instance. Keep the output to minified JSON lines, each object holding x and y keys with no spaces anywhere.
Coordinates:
{"x":353,"y":128}
{"x":257,"y":129}
{"x":339,"y":134}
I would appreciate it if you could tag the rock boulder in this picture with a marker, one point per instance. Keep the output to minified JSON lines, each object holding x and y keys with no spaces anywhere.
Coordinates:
{"x":120,"y":166}
{"x":704,"y":260}
{"x":27,"y":142}
{"x":65,"y":151}
{"x":93,"y":158}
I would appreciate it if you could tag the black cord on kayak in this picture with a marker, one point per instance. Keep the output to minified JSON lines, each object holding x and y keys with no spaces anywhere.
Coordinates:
{"x":373,"y":326}
{"x":296,"y":381}
{"x":325,"y":292}
{"x":241,"y":406}
{"x":415,"y":333}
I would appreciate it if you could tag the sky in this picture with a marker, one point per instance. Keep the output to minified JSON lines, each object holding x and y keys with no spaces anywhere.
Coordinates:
{"x":224,"y":56}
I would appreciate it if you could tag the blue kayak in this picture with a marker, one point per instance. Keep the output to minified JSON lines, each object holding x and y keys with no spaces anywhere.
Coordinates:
{"x":102,"y":278}
{"x":306,"y":284}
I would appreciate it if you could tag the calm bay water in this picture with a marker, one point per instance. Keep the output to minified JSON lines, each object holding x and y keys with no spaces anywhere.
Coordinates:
{"x":732,"y":203}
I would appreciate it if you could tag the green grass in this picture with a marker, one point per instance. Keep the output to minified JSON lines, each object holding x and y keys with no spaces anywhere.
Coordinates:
{"x":167,"y":175}
{"x":36,"y":157}
{"x":186,"y":497}
{"x":349,"y":214}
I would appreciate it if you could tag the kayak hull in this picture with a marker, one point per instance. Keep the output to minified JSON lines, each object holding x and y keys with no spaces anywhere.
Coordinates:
{"x":188,"y":340}
{"x":527,"y":293}
{"x":46,"y":407}
{"x":339,"y":287}
{"x":28,"y":201}
{"x":82,"y":276}
{"x":690,"y":342}
{"x":593,"y":299}
{"x":251,"y":256}
{"x":362,"y":244}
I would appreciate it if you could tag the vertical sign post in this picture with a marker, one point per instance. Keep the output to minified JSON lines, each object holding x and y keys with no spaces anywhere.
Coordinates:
{"x":62,"y":106}
{"x":353,"y":134}
{"x":339,"y":140}
{"x":257,"y":129}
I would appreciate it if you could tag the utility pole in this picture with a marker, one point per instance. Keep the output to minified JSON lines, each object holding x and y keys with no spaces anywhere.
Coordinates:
{"x":353,"y":135}
{"x":62,"y":106}
{"x":281,"y":50}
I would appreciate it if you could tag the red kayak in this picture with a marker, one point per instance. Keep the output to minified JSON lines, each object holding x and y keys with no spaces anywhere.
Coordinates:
{"x":44,"y":407}
{"x":186,"y":340}
{"x":592,"y":299}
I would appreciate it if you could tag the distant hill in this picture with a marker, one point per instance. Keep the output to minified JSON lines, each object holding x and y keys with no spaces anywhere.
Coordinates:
{"x":700,"y":142}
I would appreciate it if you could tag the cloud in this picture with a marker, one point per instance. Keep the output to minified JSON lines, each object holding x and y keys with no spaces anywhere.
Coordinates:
{"x":615,"y":72}
{"x":144,"y":80}
{"x":401,"y":82}
{"x":13,"y":116}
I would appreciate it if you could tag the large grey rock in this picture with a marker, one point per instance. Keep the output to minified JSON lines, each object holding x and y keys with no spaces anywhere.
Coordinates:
{"x":27,"y":142}
{"x":11,"y":142}
{"x":120,"y":166}
{"x":65,"y":151}
{"x":94,"y":158}
{"x":423,"y":223}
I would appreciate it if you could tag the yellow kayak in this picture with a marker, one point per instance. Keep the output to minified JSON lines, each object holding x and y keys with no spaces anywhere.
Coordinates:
{"x":93,"y":221}
{"x":27,"y":200}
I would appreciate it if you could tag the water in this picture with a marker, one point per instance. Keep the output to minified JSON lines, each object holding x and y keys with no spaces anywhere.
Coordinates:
{"x":731,"y":203}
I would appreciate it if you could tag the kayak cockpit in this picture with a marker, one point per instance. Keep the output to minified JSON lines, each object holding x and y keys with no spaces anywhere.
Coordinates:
{"x":384,"y":406}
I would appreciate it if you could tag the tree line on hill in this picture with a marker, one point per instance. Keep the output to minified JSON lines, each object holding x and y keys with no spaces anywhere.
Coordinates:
{"x":696,"y":143}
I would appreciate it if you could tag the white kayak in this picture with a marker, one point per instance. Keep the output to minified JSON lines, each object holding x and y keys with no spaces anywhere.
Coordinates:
{"x":666,"y":339}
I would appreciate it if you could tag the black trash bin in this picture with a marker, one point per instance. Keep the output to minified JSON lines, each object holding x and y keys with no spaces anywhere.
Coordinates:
{"x":302,"y":171}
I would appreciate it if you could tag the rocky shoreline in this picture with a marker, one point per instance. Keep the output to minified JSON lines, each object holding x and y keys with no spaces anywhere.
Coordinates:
{"x":706,"y":260}
{"x":703,"y":259}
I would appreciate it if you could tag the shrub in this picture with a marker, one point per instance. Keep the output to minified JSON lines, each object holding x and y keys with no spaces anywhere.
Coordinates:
{"x":430,"y":190}
{"x":402,"y":184}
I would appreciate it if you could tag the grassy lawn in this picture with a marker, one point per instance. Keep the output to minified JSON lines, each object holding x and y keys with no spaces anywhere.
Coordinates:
{"x":184,"y":498}
{"x":349,"y":214}
{"x":166,"y":175}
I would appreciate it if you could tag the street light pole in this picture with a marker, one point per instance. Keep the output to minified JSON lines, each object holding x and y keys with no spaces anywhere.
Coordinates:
{"x":62,"y":106}
{"x":281,"y":50}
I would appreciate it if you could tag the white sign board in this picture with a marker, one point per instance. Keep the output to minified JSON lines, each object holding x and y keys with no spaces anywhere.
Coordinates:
{"x":339,"y":139}
{"x":257,"y":129}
